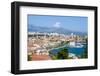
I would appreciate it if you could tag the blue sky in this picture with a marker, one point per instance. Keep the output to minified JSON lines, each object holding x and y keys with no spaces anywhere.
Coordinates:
{"x":73,"y":23}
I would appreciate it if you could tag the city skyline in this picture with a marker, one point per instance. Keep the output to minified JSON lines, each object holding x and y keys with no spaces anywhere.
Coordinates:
{"x":73,"y":23}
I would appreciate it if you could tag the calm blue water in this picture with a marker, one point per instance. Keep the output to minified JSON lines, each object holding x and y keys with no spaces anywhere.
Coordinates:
{"x":76,"y":51}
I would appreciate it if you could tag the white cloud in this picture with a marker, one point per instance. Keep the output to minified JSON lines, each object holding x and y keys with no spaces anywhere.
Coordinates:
{"x":57,"y":25}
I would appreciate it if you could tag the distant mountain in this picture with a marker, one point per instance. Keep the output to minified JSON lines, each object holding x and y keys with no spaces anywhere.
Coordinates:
{"x":33,"y":28}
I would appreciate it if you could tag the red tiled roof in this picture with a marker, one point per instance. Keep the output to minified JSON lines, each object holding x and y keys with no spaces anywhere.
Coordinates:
{"x":40,"y":57}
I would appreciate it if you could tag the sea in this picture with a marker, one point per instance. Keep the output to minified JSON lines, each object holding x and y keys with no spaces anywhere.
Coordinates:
{"x":74,"y":50}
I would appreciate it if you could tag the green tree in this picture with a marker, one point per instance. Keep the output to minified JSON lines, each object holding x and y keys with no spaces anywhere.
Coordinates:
{"x":85,"y":53}
{"x":29,"y":58}
{"x":63,"y":54}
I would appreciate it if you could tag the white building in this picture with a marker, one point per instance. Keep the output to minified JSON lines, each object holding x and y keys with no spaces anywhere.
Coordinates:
{"x":72,"y":43}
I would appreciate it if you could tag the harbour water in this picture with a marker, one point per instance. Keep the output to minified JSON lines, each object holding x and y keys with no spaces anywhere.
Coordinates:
{"x":74,"y":50}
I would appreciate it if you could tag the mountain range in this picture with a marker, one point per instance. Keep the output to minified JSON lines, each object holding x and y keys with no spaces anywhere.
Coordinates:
{"x":33,"y":28}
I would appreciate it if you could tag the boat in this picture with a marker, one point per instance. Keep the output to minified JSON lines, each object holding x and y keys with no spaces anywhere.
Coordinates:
{"x":75,"y":45}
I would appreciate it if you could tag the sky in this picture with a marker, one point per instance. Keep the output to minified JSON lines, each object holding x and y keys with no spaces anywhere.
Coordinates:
{"x":73,"y":23}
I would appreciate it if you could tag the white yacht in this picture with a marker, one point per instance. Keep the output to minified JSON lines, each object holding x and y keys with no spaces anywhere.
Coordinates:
{"x":75,"y":44}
